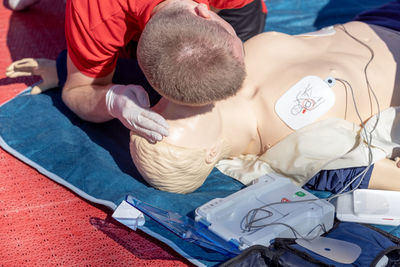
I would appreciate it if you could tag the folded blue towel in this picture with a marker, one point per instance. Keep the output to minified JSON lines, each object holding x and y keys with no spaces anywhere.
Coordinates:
{"x":93,"y":160}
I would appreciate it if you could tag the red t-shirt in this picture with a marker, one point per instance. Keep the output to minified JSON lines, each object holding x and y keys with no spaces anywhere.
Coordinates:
{"x":96,"y":30}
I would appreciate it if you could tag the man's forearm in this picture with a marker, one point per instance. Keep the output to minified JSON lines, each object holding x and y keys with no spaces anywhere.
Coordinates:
{"x":88,"y":102}
{"x":85,"y":95}
{"x":97,"y":99}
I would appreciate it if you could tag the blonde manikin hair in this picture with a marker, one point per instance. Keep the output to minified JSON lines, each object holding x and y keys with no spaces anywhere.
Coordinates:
{"x":171,"y":168}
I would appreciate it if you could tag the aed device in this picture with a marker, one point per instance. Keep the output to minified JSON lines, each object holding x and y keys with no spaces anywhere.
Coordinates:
{"x":282,"y":210}
{"x":287,"y":211}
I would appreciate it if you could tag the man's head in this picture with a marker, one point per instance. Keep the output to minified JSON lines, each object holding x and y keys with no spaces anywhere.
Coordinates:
{"x":190,"y":55}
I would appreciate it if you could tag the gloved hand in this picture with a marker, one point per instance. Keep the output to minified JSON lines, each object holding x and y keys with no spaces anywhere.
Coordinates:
{"x":130,"y":104}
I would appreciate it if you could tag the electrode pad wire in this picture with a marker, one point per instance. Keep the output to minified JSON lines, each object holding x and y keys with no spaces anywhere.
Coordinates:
{"x":250,"y":218}
{"x":369,"y":87}
{"x":248,"y":221}
{"x":368,"y":135}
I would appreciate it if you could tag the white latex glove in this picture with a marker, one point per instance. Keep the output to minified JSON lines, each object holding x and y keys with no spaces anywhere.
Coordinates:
{"x":130,"y":104}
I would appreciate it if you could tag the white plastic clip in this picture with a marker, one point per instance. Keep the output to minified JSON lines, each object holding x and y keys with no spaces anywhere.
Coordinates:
{"x":128,"y":215}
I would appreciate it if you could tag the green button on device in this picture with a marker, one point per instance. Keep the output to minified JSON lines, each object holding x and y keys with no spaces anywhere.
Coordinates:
{"x":300,"y":194}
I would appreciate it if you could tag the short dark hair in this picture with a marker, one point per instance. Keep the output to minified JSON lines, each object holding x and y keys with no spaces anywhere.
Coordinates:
{"x":189,"y":59}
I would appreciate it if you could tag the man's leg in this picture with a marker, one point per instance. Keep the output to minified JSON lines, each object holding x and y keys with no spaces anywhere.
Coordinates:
{"x":247,"y":21}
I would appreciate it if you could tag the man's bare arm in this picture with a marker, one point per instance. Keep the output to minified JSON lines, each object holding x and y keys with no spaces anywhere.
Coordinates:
{"x":98,"y":100}
{"x":85,"y":96}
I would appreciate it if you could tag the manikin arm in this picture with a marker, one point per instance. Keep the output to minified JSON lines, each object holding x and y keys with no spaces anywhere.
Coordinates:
{"x":45,"y":68}
{"x":385,"y":175}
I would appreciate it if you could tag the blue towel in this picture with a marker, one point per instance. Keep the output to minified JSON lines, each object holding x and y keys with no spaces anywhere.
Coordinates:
{"x":93,"y":159}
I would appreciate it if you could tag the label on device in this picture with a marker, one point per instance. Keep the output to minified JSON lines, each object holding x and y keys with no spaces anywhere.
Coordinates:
{"x":305,"y":102}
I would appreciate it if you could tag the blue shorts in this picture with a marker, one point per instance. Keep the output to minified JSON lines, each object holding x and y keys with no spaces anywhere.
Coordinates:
{"x":334,"y":180}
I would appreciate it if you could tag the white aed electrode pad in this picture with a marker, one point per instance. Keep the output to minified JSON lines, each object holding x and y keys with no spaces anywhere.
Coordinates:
{"x":326,"y":31}
{"x":305,"y":102}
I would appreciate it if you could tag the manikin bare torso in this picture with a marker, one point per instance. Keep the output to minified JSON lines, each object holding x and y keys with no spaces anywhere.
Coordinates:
{"x":275,"y":62}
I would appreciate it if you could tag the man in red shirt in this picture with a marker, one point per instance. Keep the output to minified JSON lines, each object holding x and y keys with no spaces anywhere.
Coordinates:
{"x":100,"y":32}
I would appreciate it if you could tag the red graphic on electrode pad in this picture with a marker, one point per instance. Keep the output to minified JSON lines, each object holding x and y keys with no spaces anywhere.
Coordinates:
{"x":284,"y":199}
{"x":305,"y":101}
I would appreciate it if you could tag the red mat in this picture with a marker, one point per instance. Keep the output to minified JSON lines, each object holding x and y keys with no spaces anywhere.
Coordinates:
{"x":41,"y":222}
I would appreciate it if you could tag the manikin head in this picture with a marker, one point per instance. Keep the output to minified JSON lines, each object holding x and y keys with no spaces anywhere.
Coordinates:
{"x":191,"y":55}
{"x":173,"y":168}
{"x":183,"y":160}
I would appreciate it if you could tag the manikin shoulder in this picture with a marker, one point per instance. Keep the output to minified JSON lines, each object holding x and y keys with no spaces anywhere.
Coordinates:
{"x":267,"y":38}
{"x":271,"y":45}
